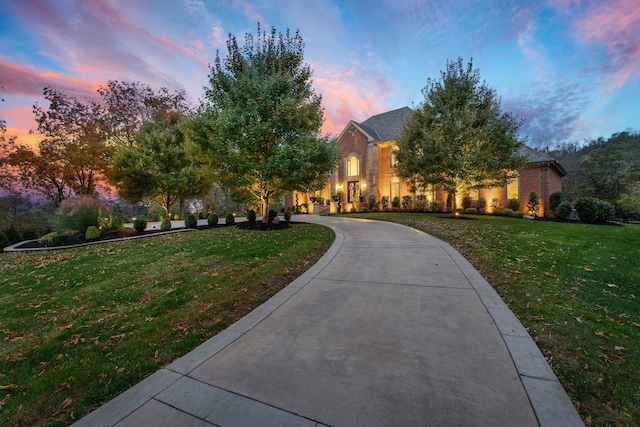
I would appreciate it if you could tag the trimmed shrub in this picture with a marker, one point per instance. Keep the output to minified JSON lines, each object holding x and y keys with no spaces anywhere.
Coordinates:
{"x":165,"y":225}
{"x":212,"y":220}
{"x":466,"y":202}
{"x":471,"y":211}
{"x":605,"y":211}
{"x":481,"y":205}
{"x":533,"y":205}
{"x":272,"y":215}
{"x":78,"y":214}
{"x":498,"y":211}
{"x":371,"y":200}
{"x":507,"y":212}
{"x":395,"y":203}
{"x":92,"y":233}
{"x":554,"y":201}
{"x":513,"y":204}
{"x":364,"y":208}
{"x":287,"y":215}
{"x":437,"y":206}
{"x":587,"y":208}
{"x":518,"y":214}
{"x":406,"y":203}
{"x":176,"y":217}
{"x":251,"y":216}
{"x":563,"y":210}
{"x":159,"y":217}
{"x":140,"y":223}
{"x":191,"y":221}
{"x":55,"y":238}
{"x":230,"y":219}
{"x":201,"y":215}
{"x":422,"y":205}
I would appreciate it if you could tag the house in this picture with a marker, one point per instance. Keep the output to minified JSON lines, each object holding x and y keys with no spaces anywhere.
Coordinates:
{"x":368,"y":167}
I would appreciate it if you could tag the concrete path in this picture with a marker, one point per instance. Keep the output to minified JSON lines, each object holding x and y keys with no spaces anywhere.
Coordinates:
{"x":392,"y":327}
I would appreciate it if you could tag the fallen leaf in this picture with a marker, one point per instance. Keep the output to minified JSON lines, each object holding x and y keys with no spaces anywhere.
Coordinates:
{"x":601,"y":334}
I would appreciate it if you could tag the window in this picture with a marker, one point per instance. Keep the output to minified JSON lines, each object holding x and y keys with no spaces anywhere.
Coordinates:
{"x":354,"y":192}
{"x":353,"y":165}
{"x":395,"y":188}
{"x":512,"y":189}
{"x":394,"y":157}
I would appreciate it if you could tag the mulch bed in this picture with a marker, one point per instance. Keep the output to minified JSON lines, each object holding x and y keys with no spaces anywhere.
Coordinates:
{"x":261,"y":226}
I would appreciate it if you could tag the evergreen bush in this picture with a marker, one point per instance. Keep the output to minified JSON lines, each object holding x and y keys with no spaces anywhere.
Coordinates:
{"x":563,"y":210}
{"x":140,"y":224}
{"x":371,"y":200}
{"x":4,"y":242}
{"x":251,"y":216}
{"x":191,"y":221}
{"x":287,"y":215}
{"x":507,"y":212}
{"x":471,"y":211}
{"x":518,"y":214}
{"x":533,"y":206}
{"x":466,"y":202}
{"x":406,"y":203}
{"x":92,"y":233}
{"x":605,"y":211}
{"x":587,"y":208}
{"x":437,"y":205}
{"x":395,"y":203}
{"x":230,"y":219}
{"x":272,"y":215}
{"x":554,"y":201}
{"x":29,"y":235}
{"x":513,"y":204}
{"x":165,"y":225}
{"x":481,"y":205}
{"x":12,"y":235}
{"x":212,"y":220}
{"x":422,"y":205}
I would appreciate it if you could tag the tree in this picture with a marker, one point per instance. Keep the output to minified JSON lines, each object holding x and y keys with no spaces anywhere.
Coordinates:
{"x":6,"y":176}
{"x":458,"y":138}
{"x":157,"y":166}
{"x":260,"y":119}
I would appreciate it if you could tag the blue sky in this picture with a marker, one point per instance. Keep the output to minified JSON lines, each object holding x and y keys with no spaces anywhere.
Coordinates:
{"x":570,"y":68}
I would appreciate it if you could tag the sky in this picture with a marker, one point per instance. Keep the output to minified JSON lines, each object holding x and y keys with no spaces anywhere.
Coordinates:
{"x":569,"y":68}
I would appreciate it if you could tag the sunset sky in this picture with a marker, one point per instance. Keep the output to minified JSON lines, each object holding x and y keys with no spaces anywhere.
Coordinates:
{"x":570,"y":68}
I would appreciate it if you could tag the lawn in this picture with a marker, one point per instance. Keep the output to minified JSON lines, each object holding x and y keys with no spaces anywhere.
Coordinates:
{"x":575,"y":287}
{"x":78,"y":327}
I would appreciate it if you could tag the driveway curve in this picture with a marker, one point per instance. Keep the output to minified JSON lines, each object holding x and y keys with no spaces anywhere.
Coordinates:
{"x":392,"y":327}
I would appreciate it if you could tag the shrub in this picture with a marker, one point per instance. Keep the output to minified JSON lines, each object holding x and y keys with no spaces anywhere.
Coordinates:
{"x":110,"y":222}
{"x":406,"y":203}
{"x":437,"y":205}
{"x":533,"y":205}
{"x":165,"y":225}
{"x":56,"y":238}
{"x":273,"y":214}
{"x":384,"y":202}
{"x":159,"y":217}
{"x":12,"y":235}
{"x":251,"y":216}
{"x":29,"y":235}
{"x":481,"y":205}
{"x":201,"y":215}
{"x":364,"y":208}
{"x":212,"y":220}
{"x":422,"y":205}
{"x":563,"y":211}
{"x":466,"y":202}
{"x":498,"y":211}
{"x":4,"y":242}
{"x":395,"y":203}
{"x":140,"y":223}
{"x":513,"y":204}
{"x":191,"y":221}
{"x":471,"y":211}
{"x":92,"y":233}
{"x":176,"y":217}
{"x":371,"y":201}
{"x":230,"y":219}
{"x":554,"y":201}
{"x":507,"y":212}
{"x":587,"y":209}
{"x":605,"y":211}
{"x":78,"y":214}
{"x":518,"y":214}
{"x":287,"y":215}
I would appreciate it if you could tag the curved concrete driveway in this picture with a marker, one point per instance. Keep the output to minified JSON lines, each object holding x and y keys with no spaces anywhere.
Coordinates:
{"x":390,"y":327}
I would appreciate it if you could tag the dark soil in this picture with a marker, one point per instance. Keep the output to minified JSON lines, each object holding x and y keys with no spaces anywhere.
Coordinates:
{"x":261,"y":226}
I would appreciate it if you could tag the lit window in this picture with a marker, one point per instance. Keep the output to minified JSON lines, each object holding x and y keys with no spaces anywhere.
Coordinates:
{"x":353,"y":165}
{"x":394,"y":157}
{"x":512,"y":189}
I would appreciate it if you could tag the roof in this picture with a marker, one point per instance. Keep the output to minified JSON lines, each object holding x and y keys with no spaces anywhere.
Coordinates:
{"x":386,"y":126}
{"x":535,"y":157}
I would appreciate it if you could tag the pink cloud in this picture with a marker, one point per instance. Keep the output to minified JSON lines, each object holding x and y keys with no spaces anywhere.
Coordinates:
{"x":616,"y":26}
{"x":249,"y":11}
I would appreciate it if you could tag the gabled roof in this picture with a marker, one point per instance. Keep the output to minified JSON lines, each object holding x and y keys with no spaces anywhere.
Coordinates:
{"x":535,"y":157}
{"x":386,"y":126}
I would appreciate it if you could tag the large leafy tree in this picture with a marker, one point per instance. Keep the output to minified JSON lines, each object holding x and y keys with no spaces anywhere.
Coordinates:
{"x":260,"y":120}
{"x":459,"y":139}
{"x":157,"y":167}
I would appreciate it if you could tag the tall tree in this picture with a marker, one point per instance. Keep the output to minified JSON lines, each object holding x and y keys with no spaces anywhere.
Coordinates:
{"x":458,"y":138}
{"x":158,"y":167}
{"x":260,"y":119}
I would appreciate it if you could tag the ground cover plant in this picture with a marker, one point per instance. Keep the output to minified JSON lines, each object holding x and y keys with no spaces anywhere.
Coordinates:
{"x":575,"y":287}
{"x":80,"y":326}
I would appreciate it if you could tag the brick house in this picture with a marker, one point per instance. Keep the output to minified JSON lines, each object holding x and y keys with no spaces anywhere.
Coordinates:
{"x":368,"y":167}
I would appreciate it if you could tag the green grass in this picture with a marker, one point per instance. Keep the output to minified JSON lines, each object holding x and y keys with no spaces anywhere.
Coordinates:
{"x":78,"y":327}
{"x":575,"y":287}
